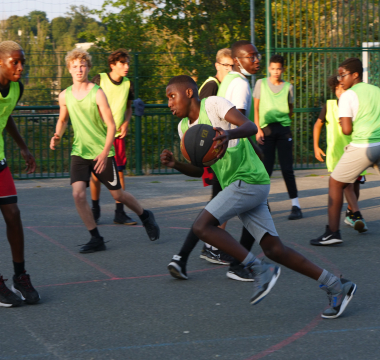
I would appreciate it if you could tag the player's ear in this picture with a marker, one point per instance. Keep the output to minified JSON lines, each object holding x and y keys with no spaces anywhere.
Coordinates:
{"x":189,"y":93}
{"x":355,"y":75}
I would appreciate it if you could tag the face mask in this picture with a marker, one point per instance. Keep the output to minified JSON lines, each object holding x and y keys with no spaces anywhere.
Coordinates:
{"x":243,"y":71}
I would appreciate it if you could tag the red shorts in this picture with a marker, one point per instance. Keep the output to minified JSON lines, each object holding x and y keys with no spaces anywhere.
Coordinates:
{"x":120,"y":157}
{"x":208,"y":176}
{"x":8,"y":193}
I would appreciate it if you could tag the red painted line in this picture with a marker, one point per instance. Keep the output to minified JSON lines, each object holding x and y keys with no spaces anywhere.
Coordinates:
{"x":81,"y":258}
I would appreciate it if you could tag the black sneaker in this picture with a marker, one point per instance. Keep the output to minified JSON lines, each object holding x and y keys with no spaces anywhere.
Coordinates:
{"x":96,"y":213}
{"x":218,"y":257}
{"x":239,"y":273}
{"x":24,"y":288}
{"x":7,"y":297}
{"x":177,"y":268}
{"x":95,"y":244}
{"x":151,"y":227}
{"x":204,"y":252}
{"x":328,"y":238}
{"x":123,"y":218}
{"x":295,"y":213}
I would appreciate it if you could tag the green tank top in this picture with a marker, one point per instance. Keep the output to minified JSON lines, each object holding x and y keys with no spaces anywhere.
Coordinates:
{"x":7,"y":105}
{"x":90,"y":131}
{"x":239,"y":162}
{"x":211,"y":78}
{"x":366,"y":127}
{"x":117,"y":96}
{"x":273,"y":108}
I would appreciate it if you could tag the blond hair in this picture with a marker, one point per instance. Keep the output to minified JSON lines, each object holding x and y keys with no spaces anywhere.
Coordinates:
{"x":223,"y":53}
{"x":80,"y":54}
{"x":6,"y":47}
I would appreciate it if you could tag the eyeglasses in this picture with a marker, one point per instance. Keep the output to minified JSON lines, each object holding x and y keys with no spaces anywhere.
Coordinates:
{"x":340,"y":77}
{"x":256,"y":57}
{"x":225,"y":65}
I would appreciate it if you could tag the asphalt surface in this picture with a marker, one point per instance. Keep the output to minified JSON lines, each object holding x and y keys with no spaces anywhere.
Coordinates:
{"x":123,"y":304}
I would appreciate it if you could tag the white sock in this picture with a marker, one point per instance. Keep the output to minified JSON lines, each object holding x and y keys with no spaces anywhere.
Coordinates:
{"x":295,"y":202}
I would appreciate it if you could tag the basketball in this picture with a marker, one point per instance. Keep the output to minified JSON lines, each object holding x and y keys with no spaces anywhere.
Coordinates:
{"x":197,"y":145}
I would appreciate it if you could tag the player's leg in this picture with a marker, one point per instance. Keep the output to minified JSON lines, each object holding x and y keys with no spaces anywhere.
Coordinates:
{"x":269,"y":148}
{"x":110,"y":179}
{"x":95,"y":186}
{"x":353,"y":216}
{"x":285,"y":158}
{"x":22,"y":287}
{"x":80,"y":174}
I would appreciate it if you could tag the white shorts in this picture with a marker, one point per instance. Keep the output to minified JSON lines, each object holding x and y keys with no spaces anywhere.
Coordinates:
{"x":249,"y":203}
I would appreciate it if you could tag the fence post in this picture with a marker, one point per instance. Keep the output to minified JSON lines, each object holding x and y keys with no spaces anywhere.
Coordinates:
{"x":138,"y":134}
{"x":268,"y":32}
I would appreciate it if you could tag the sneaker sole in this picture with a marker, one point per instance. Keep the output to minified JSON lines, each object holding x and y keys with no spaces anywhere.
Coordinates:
{"x":100,"y":248}
{"x":203,"y":256}
{"x":327,"y":242}
{"x":214,"y":261}
{"x":360,"y":226}
{"x":345,"y":302}
{"x":348,"y":222}
{"x":125,"y":223}
{"x":269,"y":288}
{"x":9,"y":305}
{"x":176,"y":272}
{"x":18,"y":293}
{"x":233,"y":276}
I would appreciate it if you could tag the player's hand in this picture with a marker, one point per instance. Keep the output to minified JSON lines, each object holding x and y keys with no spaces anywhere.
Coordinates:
{"x":55,"y":140}
{"x":123,"y":130}
{"x":318,"y":152}
{"x":260,"y":137}
{"x":167,"y":158}
{"x":224,"y":138}
{"x":29,"y":160}
{"x":101,"y":163}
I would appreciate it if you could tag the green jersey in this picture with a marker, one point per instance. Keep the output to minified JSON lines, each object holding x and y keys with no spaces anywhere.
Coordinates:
{"x":90,"y":131}
{"x":7,"y":105}
{"x":239,"y":162}
{"x":274,"y":107}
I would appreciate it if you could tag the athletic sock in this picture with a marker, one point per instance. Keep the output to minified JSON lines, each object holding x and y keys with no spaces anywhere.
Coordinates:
{"x":19,"y":268}
{"x":144,"y":215}
{"x":188,"y":246}
{"x":357,"y":214}
{"x":295,"y":202}
{"x":95,"y":203}
{"x":349,"y":212}
{"x":246,"y":240}
{"x":330,"y":281}
{"x":94,"y":232}
{"x":251,"y":260}
{"x":119,"y":207}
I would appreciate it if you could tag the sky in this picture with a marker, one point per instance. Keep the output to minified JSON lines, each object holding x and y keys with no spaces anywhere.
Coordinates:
{"x":53,"y":8}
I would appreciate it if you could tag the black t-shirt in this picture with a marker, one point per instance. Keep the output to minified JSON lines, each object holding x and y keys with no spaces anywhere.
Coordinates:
{"x":322,"y":114}
{"x":131,"y":95}
{"x":210,"y":89}
{"x":5,"y":90}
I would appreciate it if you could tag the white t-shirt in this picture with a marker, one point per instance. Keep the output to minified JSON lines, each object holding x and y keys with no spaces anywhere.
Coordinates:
{"x":216,"y":109}
{"x":349,"y":107}
{"x":239,"y":93}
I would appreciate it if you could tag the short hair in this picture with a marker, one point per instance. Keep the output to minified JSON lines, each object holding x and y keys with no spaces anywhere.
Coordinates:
{"x":333,"y":82}
{"x":78,"y":53}
{"x":6,"y":47}
{"x":223,"y":53}
{"x":184,"y":80}
{"x":237,"y":45}
{"x":118,"y":55}
{"x":277,"y":59}
{"x":353,"y":65}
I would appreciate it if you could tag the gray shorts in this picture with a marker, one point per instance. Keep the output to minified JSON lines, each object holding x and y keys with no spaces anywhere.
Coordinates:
{"x":249,"y":203}
{"x":354,"y":161}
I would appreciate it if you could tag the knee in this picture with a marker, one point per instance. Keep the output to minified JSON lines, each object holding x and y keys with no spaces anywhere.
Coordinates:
{"x":13,"y":215}
{"x":199,"y":228}
{"x":79,"y":196}
{"x":117,"y":195}
{"x":275,"y":252}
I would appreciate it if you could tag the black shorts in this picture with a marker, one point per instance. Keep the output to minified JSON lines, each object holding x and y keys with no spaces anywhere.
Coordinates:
{"x":81,"y":171}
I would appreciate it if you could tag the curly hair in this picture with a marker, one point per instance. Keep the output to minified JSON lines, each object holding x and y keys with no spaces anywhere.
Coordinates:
{"x":333,"y":82}
{"x":277,"y":59}
{"x":118,"y":55}
{"x":80,"y":54}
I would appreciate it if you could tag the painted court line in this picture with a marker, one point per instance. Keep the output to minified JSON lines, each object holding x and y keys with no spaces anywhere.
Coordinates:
{"x":81,"y":258}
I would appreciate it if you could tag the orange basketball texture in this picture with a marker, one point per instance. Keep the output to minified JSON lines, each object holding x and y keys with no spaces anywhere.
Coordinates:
{"x":197,"y":145}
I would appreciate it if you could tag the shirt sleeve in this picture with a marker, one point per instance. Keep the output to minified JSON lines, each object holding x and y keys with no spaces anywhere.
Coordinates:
{"x":257,"y":90}
{"x":322,"y":114}
{"x":131,"y":95}
{"x":210,"y":89}
{"x":180,"y":133}
{"x":291,"y":94}
{"x":96,"y":80}
{"x":218,"y":107}
{"x":240,"y":94}
{"x":348,"y":104}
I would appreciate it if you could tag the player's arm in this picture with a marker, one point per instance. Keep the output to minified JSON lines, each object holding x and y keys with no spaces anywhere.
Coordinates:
{"x":127,"y":118}
{"x":260,"y":133}
{"x":167,"y":159}
{"x":25,"y":153}
{"x":318,"y":152}
{"x":106,"y":114}
{"x":347,"y":102}
{"x":291,"y":108}
{"x":62,"y":122}
{"x":346,"y":124}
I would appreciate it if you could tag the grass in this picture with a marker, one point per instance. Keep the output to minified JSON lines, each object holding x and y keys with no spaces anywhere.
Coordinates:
{"x":155,"y":182}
